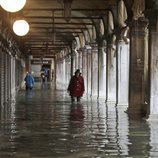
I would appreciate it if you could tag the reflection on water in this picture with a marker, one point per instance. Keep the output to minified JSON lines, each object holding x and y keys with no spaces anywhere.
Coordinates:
{"x":77,"y":115}
{"x":44,"y":124}
{"x":153,"y":139}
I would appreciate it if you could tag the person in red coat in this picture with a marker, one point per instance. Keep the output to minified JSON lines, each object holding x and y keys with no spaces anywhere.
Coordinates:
{"x":76,"y":86}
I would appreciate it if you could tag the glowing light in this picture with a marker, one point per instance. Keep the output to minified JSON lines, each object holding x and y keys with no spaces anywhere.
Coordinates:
{"x":12,"y":5}
{"x":21,"y":27}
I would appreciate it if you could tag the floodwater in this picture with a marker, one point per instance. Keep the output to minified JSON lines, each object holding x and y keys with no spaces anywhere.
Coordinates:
{"x":43,"y":123}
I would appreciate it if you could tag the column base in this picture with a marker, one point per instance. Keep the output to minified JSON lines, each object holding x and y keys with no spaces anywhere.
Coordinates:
{"x":153,"y":118}
{"x":135,"y":113}
{"x":122,"y":104}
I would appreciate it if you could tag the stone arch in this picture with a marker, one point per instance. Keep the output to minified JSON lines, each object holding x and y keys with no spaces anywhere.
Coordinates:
{"x":128,"y":5}
{"x":110,"y":22}
{"x":74,"y":45}
{"x":92,"y":33}
{"x":78,"y":43}
{"x":138,"y":8}
{"x":86,"y":36}
{"x":122,"y":14}
{"x":82,"y":40}
{"x":101,"y":27}
{"x":4,"y":32}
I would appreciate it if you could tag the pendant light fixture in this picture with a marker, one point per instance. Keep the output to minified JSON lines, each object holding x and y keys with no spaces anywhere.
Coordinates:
{"x":21,"y":27}
{"x":12,"y":5}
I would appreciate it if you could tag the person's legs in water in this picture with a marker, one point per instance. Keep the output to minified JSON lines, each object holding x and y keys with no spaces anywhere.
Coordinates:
{"x":78,"y":99}
{"x":26,"y":87}
{"x":72,"y":99}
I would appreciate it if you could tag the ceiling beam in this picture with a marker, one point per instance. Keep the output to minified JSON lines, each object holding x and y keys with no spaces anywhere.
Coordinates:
{"x":61,"y":9}
{"x":59,"y":28}
{"x":63,"y":23}
{"x":61,"y":17}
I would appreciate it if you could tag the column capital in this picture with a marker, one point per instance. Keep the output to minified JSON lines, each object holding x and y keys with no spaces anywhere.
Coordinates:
{"x":94,"y":44}
{"x":138,"y":25}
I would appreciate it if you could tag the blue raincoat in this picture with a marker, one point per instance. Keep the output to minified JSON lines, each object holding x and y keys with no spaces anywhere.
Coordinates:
{"x":29,"y":81}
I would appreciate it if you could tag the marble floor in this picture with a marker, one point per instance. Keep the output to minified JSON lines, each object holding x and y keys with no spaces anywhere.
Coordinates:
{"x":43,"y":123}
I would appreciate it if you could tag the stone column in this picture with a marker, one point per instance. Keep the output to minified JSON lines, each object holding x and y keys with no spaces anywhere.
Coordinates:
{"x":102,"y":72}
{"x":111,"y":72}
{"x":94,"y":76}
{"x":84,"y":68}
{"x":154,"y":76}
{"x":80,"y":59}
{"x":72,"y":63}
{"x":123,"y":72}
{"x":138,"y":77}
{"x":89,"y":72}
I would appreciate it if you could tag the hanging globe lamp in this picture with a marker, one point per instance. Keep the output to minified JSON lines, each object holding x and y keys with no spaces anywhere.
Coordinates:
{"x":20,"y":27}
{"x":12,"y":5}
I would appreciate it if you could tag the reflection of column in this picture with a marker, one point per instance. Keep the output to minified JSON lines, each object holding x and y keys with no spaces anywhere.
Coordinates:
{"x":123,"y":73}
{"x":117,"y":130}
{"x":153,"y":139}
{"x":139,"y":138}
{"x":123,"y":130}
{"x":138,"y":77}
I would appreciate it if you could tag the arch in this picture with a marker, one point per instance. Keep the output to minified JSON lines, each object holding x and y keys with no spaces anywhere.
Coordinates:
{"x":82,"y":40}
{"x":92,"y":33}
{"x":110,"y":22}
{"x":122,"y":14}
{"x":78,"y":46}
{"x":128,"y":5}
{"x":101,"y":27}
{"x":86,"y":36}
{"x":74,"y":45}
{"x":138,"y":7}
{"x":4,"y":32}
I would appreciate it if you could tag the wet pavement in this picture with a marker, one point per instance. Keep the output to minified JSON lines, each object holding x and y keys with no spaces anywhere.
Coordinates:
{"x":43,"y":123}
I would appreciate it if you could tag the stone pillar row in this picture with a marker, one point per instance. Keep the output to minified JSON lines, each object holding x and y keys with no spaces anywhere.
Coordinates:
{"x":138,"y":76}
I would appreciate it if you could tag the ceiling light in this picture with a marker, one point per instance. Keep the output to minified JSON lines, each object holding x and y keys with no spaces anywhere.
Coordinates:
{"x":21,"y":27}
{"x":12,"y":5}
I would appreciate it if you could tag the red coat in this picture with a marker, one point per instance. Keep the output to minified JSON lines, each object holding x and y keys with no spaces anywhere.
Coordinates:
{"x":76,"y":86}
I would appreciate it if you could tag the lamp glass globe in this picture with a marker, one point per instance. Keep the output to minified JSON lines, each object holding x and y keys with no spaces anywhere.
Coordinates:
{"x":12,"y":5}
{"x":20,"y":27}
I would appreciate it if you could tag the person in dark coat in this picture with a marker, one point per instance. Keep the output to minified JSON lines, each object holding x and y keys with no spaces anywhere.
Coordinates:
{"x":76,"y":86}
{"x":29,"y":81}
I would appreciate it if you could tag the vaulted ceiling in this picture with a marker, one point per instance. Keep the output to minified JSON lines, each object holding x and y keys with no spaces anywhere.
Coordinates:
{"x":55,"y":23}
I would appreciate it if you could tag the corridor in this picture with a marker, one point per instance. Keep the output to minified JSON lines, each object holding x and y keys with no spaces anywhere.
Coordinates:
{"x":43,"y":123}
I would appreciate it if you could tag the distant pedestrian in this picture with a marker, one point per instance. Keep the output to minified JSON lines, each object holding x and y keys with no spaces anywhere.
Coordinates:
{"x":76,"y":86}
{"x":46,"y":73}
{"x":29,"y":81}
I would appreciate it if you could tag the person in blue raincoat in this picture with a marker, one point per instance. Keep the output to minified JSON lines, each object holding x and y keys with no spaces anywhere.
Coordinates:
{"x":29,"y":81}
